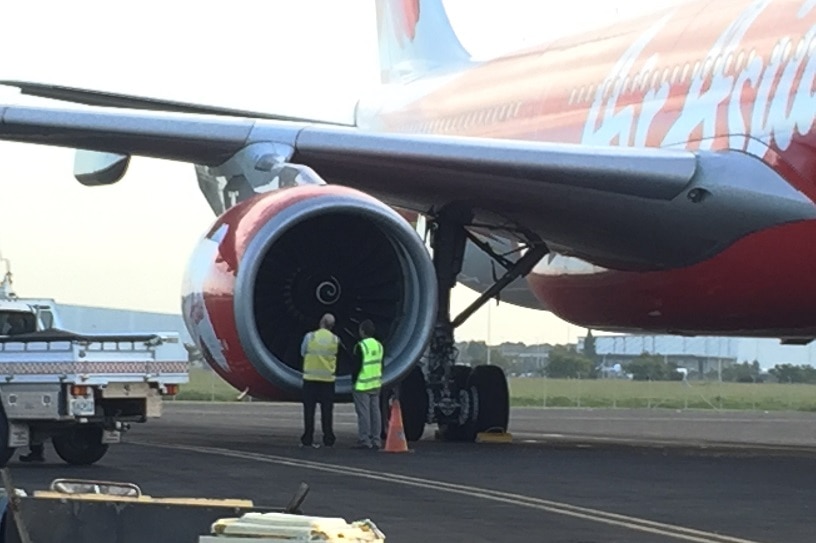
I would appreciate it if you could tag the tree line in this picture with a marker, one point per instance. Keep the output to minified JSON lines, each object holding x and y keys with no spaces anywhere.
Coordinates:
{"x":566,"y":362}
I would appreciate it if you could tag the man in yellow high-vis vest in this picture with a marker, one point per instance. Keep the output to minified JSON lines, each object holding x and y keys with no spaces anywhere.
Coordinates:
{"x":319,"y":350}
{"x":367,"y":378}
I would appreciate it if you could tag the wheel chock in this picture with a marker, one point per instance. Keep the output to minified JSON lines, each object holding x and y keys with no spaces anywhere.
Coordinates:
{"x":494,"y":435}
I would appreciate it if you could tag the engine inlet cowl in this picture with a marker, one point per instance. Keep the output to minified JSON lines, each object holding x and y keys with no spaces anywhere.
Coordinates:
{"x":271,"y":266}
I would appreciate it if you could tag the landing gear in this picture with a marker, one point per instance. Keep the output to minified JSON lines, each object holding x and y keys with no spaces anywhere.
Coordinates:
{"x":485,"y":398}
{"x":462,"y":401}
{"x":463,"y":429}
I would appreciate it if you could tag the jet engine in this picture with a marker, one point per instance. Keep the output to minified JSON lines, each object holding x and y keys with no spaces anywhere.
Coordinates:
{"x":272,"y":265}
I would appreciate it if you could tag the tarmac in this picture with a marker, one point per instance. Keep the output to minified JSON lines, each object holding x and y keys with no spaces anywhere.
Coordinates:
{"x":578,"y":476}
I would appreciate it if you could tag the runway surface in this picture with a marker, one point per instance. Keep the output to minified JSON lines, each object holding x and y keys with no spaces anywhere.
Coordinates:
{"x":590,"y":482}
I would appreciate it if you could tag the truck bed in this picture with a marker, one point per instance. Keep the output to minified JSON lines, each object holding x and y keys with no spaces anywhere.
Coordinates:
{"x":65,"y":335}
{"x":55,"y":355}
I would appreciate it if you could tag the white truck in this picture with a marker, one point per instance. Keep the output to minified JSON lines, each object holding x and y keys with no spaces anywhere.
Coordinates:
{"x":81,"y":391}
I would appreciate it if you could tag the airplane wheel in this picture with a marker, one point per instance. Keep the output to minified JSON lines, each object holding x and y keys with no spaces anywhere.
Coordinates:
{"x":493,"y":397}
{"x":81,"y":446}
{"x":385,"y":411}
{"x":457,"y":432}
{"x":413,"y":403}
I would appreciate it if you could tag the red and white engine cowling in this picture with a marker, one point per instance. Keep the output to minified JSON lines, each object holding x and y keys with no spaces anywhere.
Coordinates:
{"x":271,"y":266}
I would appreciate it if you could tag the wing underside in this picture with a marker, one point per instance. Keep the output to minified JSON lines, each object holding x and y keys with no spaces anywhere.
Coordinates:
{"x":617,"y":207}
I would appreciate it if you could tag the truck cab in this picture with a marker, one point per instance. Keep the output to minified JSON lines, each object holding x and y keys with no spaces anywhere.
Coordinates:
{"x":25,"y":316}
{"x":18,"y":318}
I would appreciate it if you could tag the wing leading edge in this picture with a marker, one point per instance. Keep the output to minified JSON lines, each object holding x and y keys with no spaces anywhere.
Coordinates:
{"x":615,"y":206}
{"x":128,"y":101}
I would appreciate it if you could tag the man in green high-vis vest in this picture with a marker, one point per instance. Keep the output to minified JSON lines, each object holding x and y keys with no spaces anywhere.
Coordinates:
{"x":367,"y":377}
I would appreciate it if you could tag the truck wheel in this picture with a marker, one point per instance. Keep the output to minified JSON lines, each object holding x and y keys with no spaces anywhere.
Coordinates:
{"x":81,"y":446}
{"x":6,"y":452}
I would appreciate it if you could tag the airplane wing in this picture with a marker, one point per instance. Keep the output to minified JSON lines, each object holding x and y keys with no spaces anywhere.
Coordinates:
{"x":617,"y":207}
{"x":111,"y":99}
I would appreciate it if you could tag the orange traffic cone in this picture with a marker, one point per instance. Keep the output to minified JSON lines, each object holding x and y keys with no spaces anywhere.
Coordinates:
{"x":395,"y":440}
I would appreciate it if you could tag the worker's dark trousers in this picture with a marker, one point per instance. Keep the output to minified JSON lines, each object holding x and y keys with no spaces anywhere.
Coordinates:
{"x":315,"y":392}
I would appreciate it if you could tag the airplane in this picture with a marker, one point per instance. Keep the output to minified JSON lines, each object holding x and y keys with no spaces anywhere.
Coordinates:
{"x":654,"y":176}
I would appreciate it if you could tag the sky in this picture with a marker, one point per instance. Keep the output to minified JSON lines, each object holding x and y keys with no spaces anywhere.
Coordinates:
{"x":126,"y":246}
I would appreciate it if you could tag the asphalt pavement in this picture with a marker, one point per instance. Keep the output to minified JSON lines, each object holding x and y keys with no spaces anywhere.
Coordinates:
{"x":569,"y":476}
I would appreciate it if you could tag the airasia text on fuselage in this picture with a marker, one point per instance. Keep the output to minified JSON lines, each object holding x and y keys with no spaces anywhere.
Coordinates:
{"x":734,"y":98}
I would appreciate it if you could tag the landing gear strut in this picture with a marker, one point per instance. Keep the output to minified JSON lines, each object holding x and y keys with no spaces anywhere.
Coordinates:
{"x":461,"y":400}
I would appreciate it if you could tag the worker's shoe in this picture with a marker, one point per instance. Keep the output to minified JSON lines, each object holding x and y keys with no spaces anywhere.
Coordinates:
{"x":32,"y":457}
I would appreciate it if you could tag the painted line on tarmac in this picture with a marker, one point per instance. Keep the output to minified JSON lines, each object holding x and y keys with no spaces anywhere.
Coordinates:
{"x":558,"y":508}
{"x":686,"y":443}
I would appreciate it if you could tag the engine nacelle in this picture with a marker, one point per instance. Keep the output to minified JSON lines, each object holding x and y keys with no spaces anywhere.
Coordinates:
{"x":271,"y":266}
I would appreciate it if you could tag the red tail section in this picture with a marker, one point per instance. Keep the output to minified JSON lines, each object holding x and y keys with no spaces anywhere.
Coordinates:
{"x":416,"y":38}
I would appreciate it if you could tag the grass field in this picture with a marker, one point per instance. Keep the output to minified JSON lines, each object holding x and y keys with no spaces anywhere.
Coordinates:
{"x":205,"y":385}
{"x":661,"y":394}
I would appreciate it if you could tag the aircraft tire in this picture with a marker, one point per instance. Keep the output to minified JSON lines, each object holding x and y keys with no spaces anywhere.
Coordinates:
{"x":414,"y":404}
{"x":82,"y":446}
{"x":493,"y":396}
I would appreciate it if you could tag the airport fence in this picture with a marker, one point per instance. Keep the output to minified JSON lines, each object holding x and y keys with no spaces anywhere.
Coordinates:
{"x":206,"y":385}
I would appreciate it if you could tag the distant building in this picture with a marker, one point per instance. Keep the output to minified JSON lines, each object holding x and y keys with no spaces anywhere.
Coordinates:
{"x":700,"y":356}
{"x":79,"y":318}
{"x":519,"y":359}
{"x":536,"y":356}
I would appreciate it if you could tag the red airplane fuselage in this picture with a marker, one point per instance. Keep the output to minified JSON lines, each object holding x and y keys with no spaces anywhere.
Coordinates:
{"x":704,"y":75}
